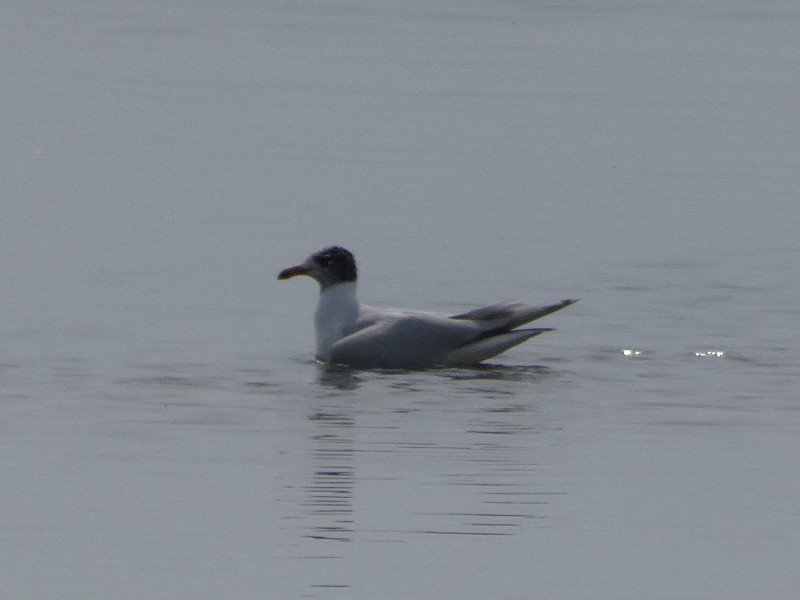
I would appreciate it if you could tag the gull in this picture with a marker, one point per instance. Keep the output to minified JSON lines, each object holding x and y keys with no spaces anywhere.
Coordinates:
{"x":356,"y":335}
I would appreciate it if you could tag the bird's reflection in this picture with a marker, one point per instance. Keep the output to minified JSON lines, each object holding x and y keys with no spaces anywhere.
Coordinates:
{"x":341,"y":377}
{"x":499,"y":372}
{"x":473,"y":436}
{"x":330,"y":493}
{"x":338,"y":377}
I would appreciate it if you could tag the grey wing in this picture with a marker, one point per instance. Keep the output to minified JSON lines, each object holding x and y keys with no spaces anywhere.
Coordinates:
{"x":497,"y":325}
{"x":420,"y":340}
{"x":408,"y":342}
{"x":498,"y":318}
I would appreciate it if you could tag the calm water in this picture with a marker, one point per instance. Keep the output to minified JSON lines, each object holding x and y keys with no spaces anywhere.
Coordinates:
{"x":164,"y":432}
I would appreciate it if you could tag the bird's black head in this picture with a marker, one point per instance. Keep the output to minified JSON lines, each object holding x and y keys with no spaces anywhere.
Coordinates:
{"x":338,"y":263}
{"x":328,"y":267}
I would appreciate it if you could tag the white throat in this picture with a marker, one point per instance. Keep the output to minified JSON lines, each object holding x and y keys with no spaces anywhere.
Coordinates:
{"x":337,"y":312}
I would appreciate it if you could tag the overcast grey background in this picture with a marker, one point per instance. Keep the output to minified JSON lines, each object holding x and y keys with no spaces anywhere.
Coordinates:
{"x":164,"y":432}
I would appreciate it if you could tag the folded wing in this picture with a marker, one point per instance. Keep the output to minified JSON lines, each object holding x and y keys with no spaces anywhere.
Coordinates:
{"x":420,"y":340}
{"x":406,"y":341}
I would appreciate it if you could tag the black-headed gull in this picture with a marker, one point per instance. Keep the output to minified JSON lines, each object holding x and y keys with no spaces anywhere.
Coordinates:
{"x":361,"y":336}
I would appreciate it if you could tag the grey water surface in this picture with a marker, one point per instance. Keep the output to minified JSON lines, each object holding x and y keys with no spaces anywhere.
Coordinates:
{"x":164,"y":430}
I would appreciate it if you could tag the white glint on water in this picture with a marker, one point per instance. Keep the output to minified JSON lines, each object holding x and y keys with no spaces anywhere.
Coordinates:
{"x":710,"y":353}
